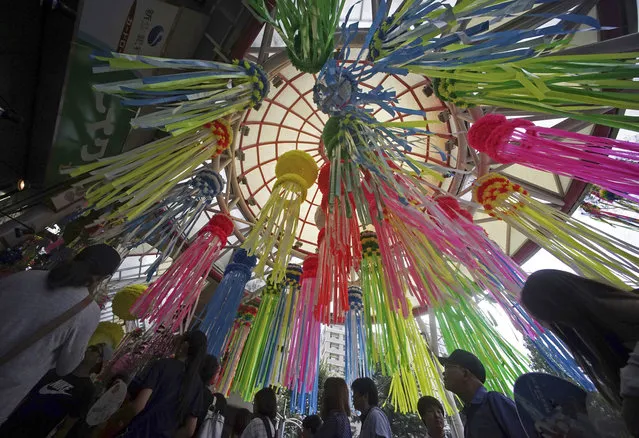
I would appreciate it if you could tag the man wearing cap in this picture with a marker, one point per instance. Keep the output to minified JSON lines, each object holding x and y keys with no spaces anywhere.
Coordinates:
{"x":58,"y":402}
{"x":486,"y":414}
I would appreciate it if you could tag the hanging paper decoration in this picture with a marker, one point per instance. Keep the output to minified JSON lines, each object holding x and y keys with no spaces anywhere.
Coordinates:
{"x":463,"y":325}
{"x":235,"y":345}
{"x":434,"y":34}
{"x":245,"y":381}
{"x":340,"y":250}
{"x":609,"y":217}
{"x":139,"y":347}
{"x":132,"y":182}
{"x":170,"y":299}
{"x":167,"y":225}
{"x":609,"y":163}
{"x":355,"y":147}
{"x":200,"y":93}
{"x":395,"y":343}
{"x":276,"y":226}
{"x":124,"y":299}
{"x":608,"y":200}
{"x":592,"y":254}
{"x":356,"y":345}
{"x":563,"y":85}
{"x":107,"y":332}
{"x":221,"y":309}
{"x":272,"y":367}
{"x":307,"y":28}
{"x":302,"y":363}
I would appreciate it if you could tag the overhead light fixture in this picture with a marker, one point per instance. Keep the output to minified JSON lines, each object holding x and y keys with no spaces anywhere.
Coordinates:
{"x":21,"y":185}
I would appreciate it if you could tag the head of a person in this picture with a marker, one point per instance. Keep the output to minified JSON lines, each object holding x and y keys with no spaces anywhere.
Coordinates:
{"x":431,"y":412}
{"x":220,"y":403}
{"x":242,"y":419}
{"x":364,"y":394}
{"x":210,"y":366}
{"x":335,"y":397}
{"x":96,"y":356}
{"x":310,"y":426}
{"x":192,"y":344}
{"x":91,"y":265}
{"x":192,"y":350}
{"x":463,"y":372}
{"x":265,"y":403}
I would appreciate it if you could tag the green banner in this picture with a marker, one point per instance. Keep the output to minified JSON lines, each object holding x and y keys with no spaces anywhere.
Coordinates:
{"x":92,"y":125}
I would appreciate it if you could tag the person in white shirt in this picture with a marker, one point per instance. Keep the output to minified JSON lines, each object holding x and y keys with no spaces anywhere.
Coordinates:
{"x":29,"y":300}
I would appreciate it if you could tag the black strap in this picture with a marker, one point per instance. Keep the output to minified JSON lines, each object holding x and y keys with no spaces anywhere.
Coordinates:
{"x":44,"y":330}
{"x":267,"y":426}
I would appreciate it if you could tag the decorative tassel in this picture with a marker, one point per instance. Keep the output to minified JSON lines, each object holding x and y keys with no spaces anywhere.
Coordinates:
{"x":273,"y":358}
{"x":609,"y":163}
{"x":169,"y":300}
{"x":188,"y":100}
{"x":356,"y":345}
{"x":340,"y":251}
{"x":234,"y":346}
{"x":395,"y":343}
{"x":132,"y":182}
{"x":302,"y":364}
{"x":307,"y":28}
{"x":563,"y":85}
{"x":222,"y":307}
{"x":276,"y":226}
{"x":608,"y":217}
{"x":592,"y":254}
{"x":434,"y":34}
{"x":167,"y":224}
{"x":245,"y":382}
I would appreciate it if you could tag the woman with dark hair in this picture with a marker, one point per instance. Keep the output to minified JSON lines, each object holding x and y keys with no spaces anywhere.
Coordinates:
{"x":599,"y":324}
{"x":265,"y":409}
{"x":169,"y":399}
{"x":46,"y":320}
{"x":335,"y":410}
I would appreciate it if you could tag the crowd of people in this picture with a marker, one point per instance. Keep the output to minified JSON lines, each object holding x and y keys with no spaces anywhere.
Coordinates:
{"x":46,"y":389}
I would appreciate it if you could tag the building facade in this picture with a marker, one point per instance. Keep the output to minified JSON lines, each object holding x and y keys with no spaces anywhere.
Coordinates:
{"x":333,"y":350}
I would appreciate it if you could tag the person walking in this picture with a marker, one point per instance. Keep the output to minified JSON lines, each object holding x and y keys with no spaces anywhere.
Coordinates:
{"x":169,"y":396}
{"x":366,"y":400}
{"x":487,"y":414}
{"x":335,"y":410}
{"x":265,"y":410}
{"x":431,"y":412}
{"x":46,"y":320}
{"x":57,"y":402}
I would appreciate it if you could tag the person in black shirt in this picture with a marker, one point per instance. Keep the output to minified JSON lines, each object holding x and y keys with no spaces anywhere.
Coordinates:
{"x":169,"y":397}
{"x":57,"y":400}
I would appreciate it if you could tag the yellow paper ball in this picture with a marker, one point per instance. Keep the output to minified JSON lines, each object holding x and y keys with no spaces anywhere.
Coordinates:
{"x":110,"y":333}
{"x":124,"y":299}
{"x":297,"y":163}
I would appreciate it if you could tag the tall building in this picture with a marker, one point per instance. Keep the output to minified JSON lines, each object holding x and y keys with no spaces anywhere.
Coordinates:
{"x":333,"y":350}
